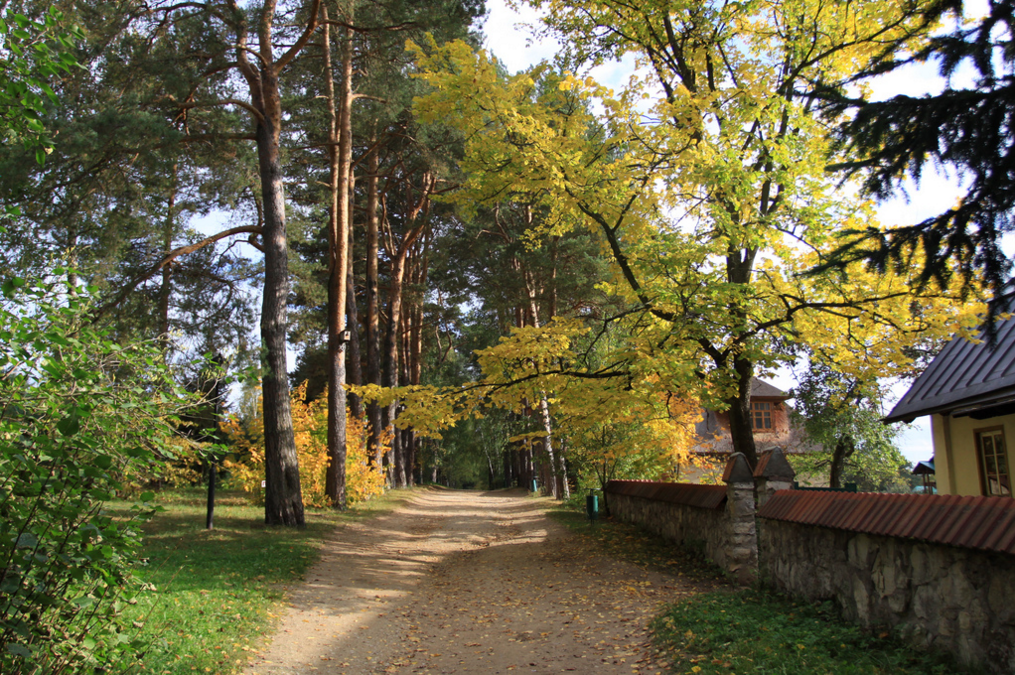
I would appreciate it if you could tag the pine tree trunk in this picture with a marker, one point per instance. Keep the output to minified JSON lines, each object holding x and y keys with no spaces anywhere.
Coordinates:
{"x":166,"y":290}
{"x":283,"y":499}
{"x":353,"y":355}
{"x":391,"y":338}
{"x":374,"y":413}
{"x":338,"y":238}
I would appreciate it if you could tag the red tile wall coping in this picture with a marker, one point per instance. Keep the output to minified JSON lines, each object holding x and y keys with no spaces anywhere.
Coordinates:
{"x":689,"y":494}
{"x":983,"y":523}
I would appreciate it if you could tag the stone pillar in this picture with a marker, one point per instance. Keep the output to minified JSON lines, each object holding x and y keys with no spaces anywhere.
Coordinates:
{"x":742,"y":552}
{"x":773,"y":473}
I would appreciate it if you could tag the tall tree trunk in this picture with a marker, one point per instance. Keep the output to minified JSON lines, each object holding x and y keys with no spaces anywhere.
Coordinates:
{"x":166,"y":289}
{"x":353,"y":355}
{"x":338,"y":238}
{"x":396,"y":277}
{"x":741,"y":429}
{"x":844,"y":447}
{"x":544,"y":405}
{"x":283,"y":498}
{"x":374,"y":449}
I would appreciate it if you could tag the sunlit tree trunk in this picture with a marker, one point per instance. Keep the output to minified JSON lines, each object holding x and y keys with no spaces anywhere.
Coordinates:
{"x":340,"y":156}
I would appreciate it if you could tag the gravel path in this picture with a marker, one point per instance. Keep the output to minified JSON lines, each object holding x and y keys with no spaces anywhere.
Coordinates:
{"x":468,"y":582}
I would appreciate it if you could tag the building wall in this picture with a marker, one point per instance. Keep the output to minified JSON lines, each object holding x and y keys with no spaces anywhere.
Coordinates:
{"x":956,"y":462}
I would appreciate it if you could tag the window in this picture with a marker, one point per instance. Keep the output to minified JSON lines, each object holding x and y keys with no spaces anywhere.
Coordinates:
{"x":761,"y":415}
{"x":994,"y":475}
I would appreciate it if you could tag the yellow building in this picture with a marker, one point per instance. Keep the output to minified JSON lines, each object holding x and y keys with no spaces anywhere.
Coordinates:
{"x":969,"y":392}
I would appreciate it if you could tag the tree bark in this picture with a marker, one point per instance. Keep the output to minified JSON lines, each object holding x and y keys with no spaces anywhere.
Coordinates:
{"x":166,"y":290}
{"x":843,"y":449}
{"x":374,"y":448}
{"x":283,"y":498}
{"x":340,"y":157}
{"x":741,"y":429}
{"x":353,"y":355}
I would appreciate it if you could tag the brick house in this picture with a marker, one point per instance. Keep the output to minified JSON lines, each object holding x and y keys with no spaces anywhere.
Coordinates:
{"x":771,"y":417}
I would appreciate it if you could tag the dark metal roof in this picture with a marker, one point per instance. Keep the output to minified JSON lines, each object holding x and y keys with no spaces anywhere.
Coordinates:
{"x":762,"y":389}
{"x":985,"y":523}
{"x":964,"y":375}
{"x":701,"y":496}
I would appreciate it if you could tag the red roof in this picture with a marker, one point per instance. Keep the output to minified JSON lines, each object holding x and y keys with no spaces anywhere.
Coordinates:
{"x":985,"y":523}
{"x":701,"y":496}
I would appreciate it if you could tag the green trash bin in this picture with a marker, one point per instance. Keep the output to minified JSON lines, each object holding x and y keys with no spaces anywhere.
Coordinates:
{"x":592,"y":506}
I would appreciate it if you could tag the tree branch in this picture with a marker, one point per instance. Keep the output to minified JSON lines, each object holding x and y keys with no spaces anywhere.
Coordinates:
{"x":168,"y":258}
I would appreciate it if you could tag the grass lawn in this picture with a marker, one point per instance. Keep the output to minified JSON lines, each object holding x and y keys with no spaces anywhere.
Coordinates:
{"x":756,"y":631}
{"x":218,"y":592}
{"x":735,"y":631}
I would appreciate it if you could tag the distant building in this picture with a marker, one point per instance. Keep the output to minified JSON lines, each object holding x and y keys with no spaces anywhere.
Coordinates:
{"x":771,"y":418}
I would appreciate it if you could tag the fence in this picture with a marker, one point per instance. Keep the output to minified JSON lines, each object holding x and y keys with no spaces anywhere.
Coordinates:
{"x":940,"y":570}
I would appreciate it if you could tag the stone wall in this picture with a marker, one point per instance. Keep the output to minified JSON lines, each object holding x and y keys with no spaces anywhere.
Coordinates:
{"x":719,"y":522}
{"x":957,"y":599}
{"x":704,"y":530}
{"x":939,"y":570}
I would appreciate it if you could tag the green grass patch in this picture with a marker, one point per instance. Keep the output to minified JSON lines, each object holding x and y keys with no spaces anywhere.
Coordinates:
{"x":755,"y":631}
{"x":217,"y":593}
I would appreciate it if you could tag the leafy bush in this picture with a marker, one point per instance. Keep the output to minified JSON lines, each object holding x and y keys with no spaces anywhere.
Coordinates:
{"x":310,"y":424}
{"x":78,"y":412}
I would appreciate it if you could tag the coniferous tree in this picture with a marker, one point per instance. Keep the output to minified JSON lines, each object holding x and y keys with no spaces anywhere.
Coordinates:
{"x":971,"y":129}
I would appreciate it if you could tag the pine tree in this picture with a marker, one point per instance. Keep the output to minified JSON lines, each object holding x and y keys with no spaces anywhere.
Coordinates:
{"x":971,"y":129}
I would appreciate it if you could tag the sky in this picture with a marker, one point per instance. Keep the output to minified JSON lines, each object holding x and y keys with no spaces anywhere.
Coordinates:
{"x":509,"y":36}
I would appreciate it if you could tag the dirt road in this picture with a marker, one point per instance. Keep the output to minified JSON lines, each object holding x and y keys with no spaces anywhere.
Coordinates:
{"x":468,"y":582}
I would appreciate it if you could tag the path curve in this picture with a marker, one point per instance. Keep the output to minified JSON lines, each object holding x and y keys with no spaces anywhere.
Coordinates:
{"x":468,"y":582}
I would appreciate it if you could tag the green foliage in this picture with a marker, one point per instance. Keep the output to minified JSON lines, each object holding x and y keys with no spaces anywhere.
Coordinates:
{"x":758,"y":632}
{"x":969,"y":128}
{"x":79,"y":413}
{"x":843,"y":414}
{"x":31,"y":52}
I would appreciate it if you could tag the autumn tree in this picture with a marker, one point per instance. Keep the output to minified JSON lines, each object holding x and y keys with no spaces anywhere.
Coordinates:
{"x":256,"y":45}
{"x":704,"y":176}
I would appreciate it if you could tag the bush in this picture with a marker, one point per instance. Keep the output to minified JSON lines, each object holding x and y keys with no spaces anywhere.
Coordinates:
{"x":310,"y":424}
{"x":78,"y":412}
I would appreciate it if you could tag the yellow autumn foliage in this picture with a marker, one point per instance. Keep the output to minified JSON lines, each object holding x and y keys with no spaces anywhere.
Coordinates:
{"x":310,"y":424}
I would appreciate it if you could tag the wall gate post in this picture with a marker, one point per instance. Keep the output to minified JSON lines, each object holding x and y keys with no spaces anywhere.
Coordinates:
{"x":740,"y":509}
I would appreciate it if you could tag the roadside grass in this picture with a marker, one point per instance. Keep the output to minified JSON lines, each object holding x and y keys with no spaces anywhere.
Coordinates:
{"x":728,"y":631}
{"x":757,"y":631}
{"x":218,"y":593}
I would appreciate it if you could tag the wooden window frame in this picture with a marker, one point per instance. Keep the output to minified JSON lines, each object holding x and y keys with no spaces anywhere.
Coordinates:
{"x":764,"y":413}
{"x":981,"y":468}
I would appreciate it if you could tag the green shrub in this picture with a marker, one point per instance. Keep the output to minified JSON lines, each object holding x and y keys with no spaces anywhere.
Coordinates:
{"x":78,"y":413}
